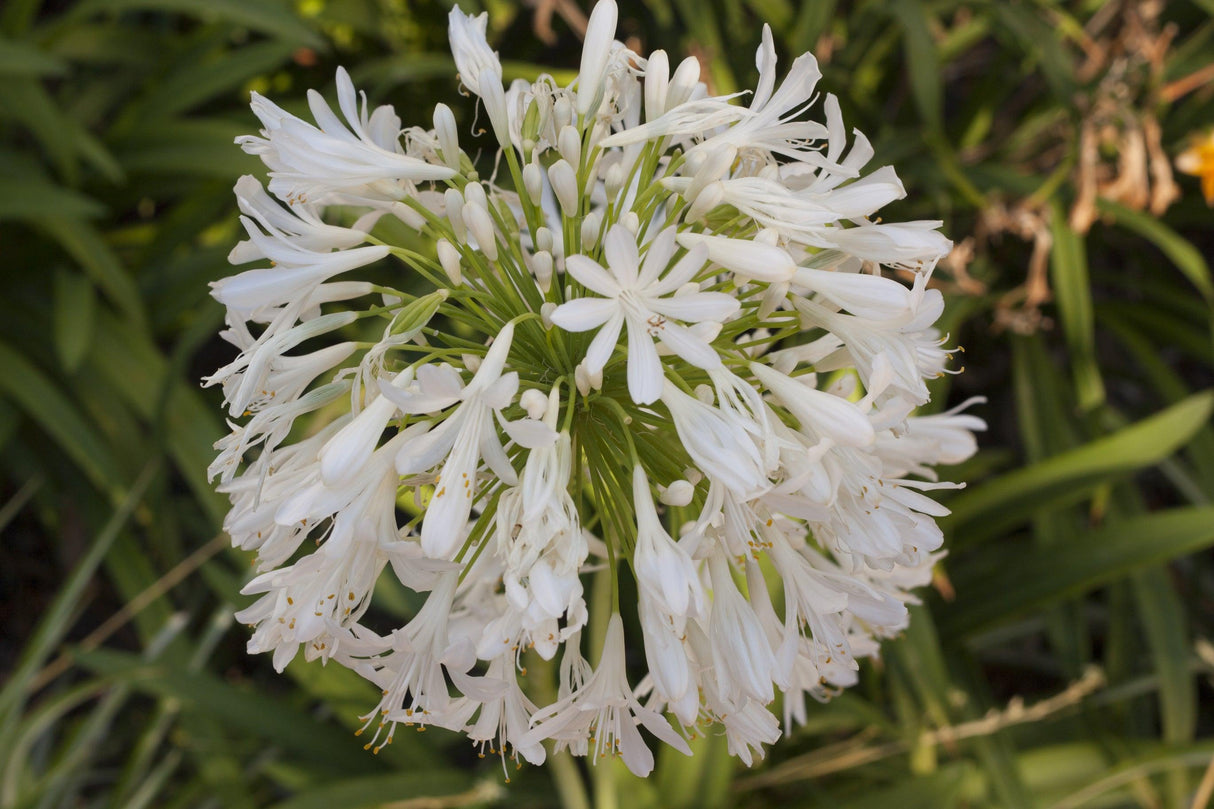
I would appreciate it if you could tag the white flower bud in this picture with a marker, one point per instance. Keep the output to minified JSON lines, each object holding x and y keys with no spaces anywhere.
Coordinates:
{"x":657,"y":79}
{"x":407,"y":215}
{"x":541,"y":265}
{"x":683,"y":82}
{"x":533,"y":182}
{"x":480,"y":225}
{"x":705,"y":201}
{"x":562,"y":113}
{"x":590,"y":230}
{"x":448,"y":138}
{"x":543,"y":239}
{"x":569,"y":144}
{"x":455,"y":207}
{"x":596,"y":50}
{"x":678,"y":493}
{"x":587,"y":381}
{"x":614,"y":181}
{"x":534,"y":402}
{"x":546,"y":310}
{"x":475,"y":193}
{"x":471,"y":361}
{"x":564,"y":185}
{"x":448,"y":257}
{"x":631,"y":221}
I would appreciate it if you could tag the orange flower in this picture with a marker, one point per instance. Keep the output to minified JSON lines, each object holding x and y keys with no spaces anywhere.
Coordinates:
{"x":1198,"y":161}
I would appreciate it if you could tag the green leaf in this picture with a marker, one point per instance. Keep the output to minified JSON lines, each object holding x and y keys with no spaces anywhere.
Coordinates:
{"x":188,"y":148}
{"x":382,"y":790}
{"x":922,"y":62}
{"x":28,"y":102}
{"x":1007,"y":585}
{"x":75,"y":307}
{"x":23,"y":59}
{"x":1166,"y":629}
{"x":34,"y":200}
{"x":1069,"y":273}
{"x":195,"y":83}
{"x":272,"y":18}
{"x":1180,"y":251}
{"x":84,"y":244}
{"x":1011,"y":498}
{"x":242,"y":709}
{"x":47,"y":406}
{"x":55,"y":622}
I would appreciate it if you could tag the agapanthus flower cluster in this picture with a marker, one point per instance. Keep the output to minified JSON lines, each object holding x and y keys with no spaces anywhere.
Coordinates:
{"x":664,"y":355}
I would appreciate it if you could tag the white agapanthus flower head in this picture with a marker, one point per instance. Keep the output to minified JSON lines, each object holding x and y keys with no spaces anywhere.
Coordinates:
{"x":670,"y":356}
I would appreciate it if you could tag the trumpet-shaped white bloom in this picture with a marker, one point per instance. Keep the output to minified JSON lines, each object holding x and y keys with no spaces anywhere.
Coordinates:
{"x":692,"y":295}
{"x":640,"y":295}
{"x":605,"y":709}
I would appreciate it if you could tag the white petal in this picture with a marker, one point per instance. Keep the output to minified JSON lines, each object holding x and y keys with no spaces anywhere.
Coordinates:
{"x":620,"y":250}
{"x":680,"y":273}
{"x":591,"y":275}
{"x":529,"y":433}
{"x":694,"y":307}
{"x":603,"y":344}
{"x":657,"y":258}
{"x":584,"y":314}
{"x":644,"y":367}
{"x":682,"y":342}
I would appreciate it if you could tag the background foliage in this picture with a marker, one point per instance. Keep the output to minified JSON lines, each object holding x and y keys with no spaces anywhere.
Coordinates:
{"x":1063,"y":658}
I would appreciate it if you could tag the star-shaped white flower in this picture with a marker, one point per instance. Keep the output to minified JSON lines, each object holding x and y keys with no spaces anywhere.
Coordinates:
{"x":649,"y":297}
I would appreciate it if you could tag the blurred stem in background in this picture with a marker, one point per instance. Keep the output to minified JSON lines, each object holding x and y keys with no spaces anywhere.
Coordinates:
{"x":1064,"y":658}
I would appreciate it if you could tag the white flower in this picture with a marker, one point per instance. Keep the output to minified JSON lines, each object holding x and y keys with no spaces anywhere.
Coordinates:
{"x":767,"y":384}
{"x":334,"y":162}
{"x":604,"y":708}
{"x":665,"y":572}
{"x":640,"y":295}
{"x":464,"y":438}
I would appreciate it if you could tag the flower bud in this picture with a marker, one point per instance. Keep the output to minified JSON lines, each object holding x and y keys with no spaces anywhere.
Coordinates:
{"x":448,"y":257}
{"x":596,"y":50}
{"x":590,"y":231}
{"x":564,"y":185}
{"x":657,"y":80}
{"x":480,"y":225}
{"x":683,"y":82}
{"x":534,"y":402}
{"x":541,"y":266}
{"x":533,"y":182}
{"x":455,"y":208}
{"x":678,"y":493}
{"x":543,"y":239}
{"x":569,"y":144}
{"x":448,"y":138}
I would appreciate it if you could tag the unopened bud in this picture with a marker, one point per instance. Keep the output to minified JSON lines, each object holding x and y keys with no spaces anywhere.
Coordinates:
{"x":448,"y":138}
{"x":678,"y":493}
{"x":534,"y":402}
{"x":480,"y":225}
{"x":569,"y":144}
{"x":448,"y":257}
{"x":533,"y":182}
{"x":455,"y":207}
{"x":590,"y":230}
{"x":564,"y":185}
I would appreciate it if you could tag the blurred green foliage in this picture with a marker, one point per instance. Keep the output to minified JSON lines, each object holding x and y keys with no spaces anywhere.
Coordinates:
{"x":1063,"y":658}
